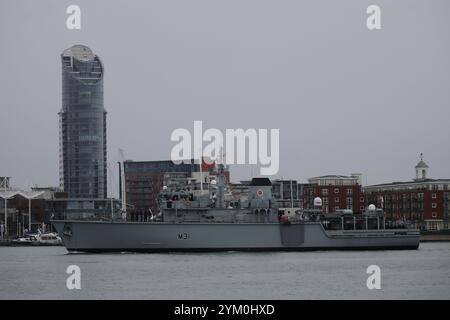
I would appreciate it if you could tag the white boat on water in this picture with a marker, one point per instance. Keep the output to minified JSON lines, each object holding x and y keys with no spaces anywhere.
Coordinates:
{"x":49,"y":239}
{"x":39,"y":239}
{"x":27,"y":240}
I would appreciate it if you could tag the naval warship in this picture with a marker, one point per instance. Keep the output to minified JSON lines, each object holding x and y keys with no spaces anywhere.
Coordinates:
{"x":189,"y":221}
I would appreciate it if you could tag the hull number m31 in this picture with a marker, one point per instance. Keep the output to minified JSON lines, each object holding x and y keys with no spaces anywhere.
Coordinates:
{"x":183,"y":236}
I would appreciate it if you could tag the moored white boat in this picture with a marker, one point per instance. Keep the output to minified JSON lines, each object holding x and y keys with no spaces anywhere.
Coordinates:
{"x":38,"y":239}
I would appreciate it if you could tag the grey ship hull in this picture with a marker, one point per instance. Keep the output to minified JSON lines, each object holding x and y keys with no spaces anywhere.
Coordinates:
{"x":166,"y":237}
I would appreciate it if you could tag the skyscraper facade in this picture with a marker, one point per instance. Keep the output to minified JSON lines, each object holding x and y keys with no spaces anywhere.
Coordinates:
{"x":82,"y":125}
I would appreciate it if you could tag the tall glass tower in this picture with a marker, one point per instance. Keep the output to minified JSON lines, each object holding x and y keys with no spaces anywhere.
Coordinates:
{"x":82,"y":125}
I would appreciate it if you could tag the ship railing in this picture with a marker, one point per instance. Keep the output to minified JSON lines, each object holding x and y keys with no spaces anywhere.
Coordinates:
{"x":352,"y":222}
{"x":365,"y":223}
{"x":87,"y":215}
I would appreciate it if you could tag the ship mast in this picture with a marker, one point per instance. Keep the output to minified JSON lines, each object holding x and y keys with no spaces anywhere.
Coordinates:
{"x":220,"y":182}
{"x":201,"y":176}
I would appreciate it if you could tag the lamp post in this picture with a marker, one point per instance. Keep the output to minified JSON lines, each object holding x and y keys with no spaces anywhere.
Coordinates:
{"x":6,"y":217}
{"x":112,"y":210}
{"x":18,"y":226}
{"x":29,"y":214}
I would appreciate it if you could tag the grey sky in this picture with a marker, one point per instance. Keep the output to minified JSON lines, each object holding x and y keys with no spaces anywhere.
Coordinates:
{"x":345,"y":99}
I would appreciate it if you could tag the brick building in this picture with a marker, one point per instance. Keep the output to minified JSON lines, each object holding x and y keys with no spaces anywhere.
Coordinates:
{"x":424,"y":202}
{"x":336,"y":191}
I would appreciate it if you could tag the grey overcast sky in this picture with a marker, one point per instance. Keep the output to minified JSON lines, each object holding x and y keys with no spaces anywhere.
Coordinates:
{"x":345,"y":99}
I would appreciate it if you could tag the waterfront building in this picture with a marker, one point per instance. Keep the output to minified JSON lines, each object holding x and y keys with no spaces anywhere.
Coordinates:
{"x":82,"y":125}
{"x":337,"y":192}
{"x":23,"y":211}
{"x":423,"y":202}
{"x":287,"y":193}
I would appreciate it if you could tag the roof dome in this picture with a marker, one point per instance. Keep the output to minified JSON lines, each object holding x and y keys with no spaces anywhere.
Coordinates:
{"x":421,"y":164}
{"x":80,"y":52}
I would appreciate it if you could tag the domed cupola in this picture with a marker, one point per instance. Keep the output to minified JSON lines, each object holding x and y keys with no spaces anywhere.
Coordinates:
{"x":421,"y":169}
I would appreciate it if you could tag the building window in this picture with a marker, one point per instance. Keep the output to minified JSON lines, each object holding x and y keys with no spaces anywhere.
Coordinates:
{"x":434,"y":215}
{"x":324,"y":192}
{"x":84,"y":97}
{"x":349,"y":191}
{"x":336,"y":199}
{"x":434,"y":205}
{"x":433,"y":195}
{"x":336,"y":190}
{"x":361,"y":208}
{"x":361,"y":199}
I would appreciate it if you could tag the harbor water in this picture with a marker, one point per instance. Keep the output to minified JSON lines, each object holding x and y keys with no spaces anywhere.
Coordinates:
{"x":40,"y":273}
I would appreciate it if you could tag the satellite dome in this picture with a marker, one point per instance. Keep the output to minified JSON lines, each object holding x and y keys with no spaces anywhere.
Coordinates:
{"x":372,"y":207}
{"x":213,"y":182}
{"x":317,"y":202}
